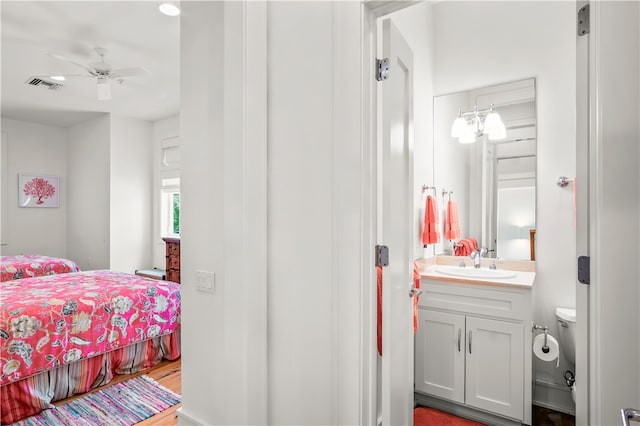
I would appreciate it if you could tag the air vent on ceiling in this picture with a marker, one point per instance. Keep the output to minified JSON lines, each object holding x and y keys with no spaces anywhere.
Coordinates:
{"x":35,"y":81}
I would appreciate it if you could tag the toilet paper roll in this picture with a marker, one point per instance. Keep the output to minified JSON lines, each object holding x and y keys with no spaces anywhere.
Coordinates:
{"x":554,"y":349}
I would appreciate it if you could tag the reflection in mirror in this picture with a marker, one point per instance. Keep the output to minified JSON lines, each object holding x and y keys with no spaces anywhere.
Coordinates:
{"x":489,"y":170}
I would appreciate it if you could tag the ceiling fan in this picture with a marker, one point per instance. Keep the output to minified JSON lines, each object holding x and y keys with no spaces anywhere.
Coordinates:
{"x":101,"y":70}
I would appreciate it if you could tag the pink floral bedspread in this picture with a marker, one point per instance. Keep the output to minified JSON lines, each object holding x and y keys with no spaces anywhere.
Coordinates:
{"x":34,"y":265}
{"x":57,"y":319}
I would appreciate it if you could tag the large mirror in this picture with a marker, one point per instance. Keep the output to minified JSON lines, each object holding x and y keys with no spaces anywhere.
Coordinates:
{"x":486,"y":163}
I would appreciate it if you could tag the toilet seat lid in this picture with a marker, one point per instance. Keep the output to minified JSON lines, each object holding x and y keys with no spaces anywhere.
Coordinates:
{"x":566,"y":314}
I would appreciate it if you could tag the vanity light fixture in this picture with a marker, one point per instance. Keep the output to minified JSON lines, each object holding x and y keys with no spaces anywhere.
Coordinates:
{"x":471,"y":124}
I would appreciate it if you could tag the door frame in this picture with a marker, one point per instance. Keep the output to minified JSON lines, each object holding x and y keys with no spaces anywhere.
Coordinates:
{"x":610,"y":303}
{"x":371,"y":11}
{"x":583,"y":54}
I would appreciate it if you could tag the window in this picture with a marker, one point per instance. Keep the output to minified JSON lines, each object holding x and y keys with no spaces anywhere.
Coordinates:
{"x":170,"y":207}
{"x":170,"y":188}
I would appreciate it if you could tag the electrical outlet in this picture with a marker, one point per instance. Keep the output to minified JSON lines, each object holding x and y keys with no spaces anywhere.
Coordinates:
{"x":206,"y":281}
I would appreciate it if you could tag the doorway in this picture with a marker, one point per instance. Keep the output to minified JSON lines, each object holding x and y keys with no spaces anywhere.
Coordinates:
{"x":485,"y":28}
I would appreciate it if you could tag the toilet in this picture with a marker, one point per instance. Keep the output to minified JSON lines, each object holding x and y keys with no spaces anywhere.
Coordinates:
{"x":567,"y":337}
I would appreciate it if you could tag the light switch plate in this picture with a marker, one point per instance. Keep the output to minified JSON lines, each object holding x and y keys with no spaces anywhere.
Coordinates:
{"x":206,"y":281}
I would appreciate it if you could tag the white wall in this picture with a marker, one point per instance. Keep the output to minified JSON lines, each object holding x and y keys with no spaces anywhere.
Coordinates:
{"x":41,"y":149}
{"x":205,"y":389}
{"x":314,"y":233}
{"x":316,"y":166}
{"x":300,"y":328}
{"x":131,"y":193}
{"x":485,"y":43}
{"x":88,"y":164}
{"x":166,"y":128}
{"x":416,"y":25}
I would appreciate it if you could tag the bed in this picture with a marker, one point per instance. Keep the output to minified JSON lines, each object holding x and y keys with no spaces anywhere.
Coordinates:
{"x":34,"y":265}
{"x":68,"y":333}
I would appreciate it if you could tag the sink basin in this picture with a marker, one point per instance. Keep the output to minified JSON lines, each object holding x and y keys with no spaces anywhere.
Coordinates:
{"x":470,"y":272}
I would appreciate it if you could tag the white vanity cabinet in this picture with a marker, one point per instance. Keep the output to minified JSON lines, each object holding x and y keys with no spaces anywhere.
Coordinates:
{"x":472,"y":348}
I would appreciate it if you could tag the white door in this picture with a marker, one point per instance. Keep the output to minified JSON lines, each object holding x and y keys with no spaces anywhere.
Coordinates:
{"x":440,"y":353}
{"x":395,"y":149}
{"x":495,"y":366}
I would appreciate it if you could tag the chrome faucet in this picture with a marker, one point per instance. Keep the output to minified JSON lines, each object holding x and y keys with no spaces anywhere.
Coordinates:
{"x":476,"y":255}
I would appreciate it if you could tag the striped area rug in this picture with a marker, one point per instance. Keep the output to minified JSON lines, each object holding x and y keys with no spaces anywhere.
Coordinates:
{"x":123,"y":404}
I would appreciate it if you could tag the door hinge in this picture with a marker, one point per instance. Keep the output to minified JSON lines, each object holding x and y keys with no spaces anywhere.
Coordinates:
{"x":584,"y":269}
{"x":583,"y":20}
{"x":382,"y":256}
{"x":382,"y":69}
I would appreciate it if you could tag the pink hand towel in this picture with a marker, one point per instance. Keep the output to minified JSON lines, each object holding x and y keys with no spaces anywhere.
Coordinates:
{"x":452,"y":222}
{"x":430,"y":233}
{"x":416,"y":284}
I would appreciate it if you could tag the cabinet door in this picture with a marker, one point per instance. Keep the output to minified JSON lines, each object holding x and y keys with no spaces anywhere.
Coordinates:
{"x":440,"y":352}
{"x":495,"y":366}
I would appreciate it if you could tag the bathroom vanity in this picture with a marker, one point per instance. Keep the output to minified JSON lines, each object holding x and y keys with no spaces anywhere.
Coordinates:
{"x":473,"y":345}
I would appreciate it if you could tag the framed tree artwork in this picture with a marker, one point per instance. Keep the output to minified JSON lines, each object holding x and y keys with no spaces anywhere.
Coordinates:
{"x":38,"y":190}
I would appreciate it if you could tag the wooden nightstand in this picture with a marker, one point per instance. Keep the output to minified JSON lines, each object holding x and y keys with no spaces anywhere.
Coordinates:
{"x":173,"y":258}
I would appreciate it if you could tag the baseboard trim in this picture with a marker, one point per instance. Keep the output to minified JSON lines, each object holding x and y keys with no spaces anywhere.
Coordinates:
{"x":186,"y":419}
{"x":462,"y":411}
{"x":553,"y":396}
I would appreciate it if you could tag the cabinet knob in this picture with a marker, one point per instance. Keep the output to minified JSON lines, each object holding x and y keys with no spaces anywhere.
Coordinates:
{"x":469,"y":341}
{"x":459,"y":338}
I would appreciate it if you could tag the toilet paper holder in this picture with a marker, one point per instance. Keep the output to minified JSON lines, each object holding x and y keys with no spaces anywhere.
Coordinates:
{"x":545,"y":347}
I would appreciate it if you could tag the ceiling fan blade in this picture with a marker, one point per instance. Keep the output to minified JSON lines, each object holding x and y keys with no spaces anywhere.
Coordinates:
{"x":62,"y":75}
{"x":129,"y":72}
{"x":72,"y":76}
{"x":71,"y":61}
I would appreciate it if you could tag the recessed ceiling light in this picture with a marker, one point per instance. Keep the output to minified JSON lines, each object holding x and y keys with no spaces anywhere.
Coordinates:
{"x":58,"y":77}
{"x":169,"y":8}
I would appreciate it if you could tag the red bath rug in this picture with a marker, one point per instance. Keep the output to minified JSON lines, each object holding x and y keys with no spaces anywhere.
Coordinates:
{"x":423,"y":416}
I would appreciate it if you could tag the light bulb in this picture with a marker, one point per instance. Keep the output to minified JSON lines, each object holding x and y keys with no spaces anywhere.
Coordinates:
{"x":498,"y":134}
{"x":492,"y":123}
{"x":169,"y":8}
{"x":494,"y":127}
{"x":458,"y":127}
{"x":58,"y":77}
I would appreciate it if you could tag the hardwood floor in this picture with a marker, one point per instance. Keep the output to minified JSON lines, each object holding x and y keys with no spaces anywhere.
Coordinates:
{"x":168,"y":374}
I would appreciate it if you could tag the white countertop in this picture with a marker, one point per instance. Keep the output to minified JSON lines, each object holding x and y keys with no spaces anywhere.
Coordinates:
{"x":522,"y":279}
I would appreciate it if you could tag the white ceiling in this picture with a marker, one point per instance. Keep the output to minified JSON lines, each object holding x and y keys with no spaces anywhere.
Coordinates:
{"x":134,"y":33}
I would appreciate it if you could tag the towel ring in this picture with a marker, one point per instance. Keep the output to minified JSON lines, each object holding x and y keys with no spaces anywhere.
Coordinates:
{"x":425,"y":188}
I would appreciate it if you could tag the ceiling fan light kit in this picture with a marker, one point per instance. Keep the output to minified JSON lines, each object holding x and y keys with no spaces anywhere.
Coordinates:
{"x":104,"y":89}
